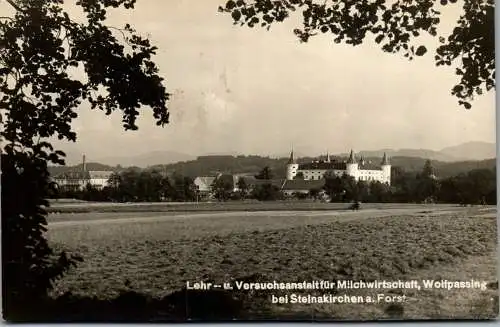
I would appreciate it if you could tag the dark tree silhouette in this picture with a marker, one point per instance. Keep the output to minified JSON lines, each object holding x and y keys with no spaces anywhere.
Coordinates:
{"x":314,"y":193}
{"x":427,"y":186}
{"x":428,"y":170}
{"x":41,"y":48}
{"x":183,"y":188}
{"x":223,"y":187}
{"x":395,"y":27}
{"x":267,"y":192}
{"x":300,"y":175}
{"x":243,"y":187}
{"x":341,"y":188}
{"x":265,"y":173}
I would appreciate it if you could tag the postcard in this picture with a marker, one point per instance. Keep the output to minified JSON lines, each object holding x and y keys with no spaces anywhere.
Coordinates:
{"x":248,"y":160}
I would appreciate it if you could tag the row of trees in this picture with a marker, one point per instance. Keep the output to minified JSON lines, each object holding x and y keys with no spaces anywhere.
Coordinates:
{"x":475,"y":187}
{"x":152,"y":186}
{"x":137,"y":186}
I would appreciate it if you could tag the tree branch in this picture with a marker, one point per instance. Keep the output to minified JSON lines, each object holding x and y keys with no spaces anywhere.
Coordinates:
{"x":125,"y":38}
{"x":13,"y":4}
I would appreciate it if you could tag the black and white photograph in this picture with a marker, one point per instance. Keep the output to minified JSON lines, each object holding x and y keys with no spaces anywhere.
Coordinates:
{"x":248,"y":160}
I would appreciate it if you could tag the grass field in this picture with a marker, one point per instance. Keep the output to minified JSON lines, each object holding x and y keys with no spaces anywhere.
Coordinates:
{"x":155,"y":253}
{"x":60,"y":206}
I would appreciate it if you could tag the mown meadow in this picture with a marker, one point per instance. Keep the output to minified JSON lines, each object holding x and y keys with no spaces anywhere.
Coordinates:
{"x":151,"y":256}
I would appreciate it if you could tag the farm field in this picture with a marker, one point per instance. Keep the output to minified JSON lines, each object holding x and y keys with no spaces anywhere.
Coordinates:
{"x":155,"y":253}
{"x":148,"y":207}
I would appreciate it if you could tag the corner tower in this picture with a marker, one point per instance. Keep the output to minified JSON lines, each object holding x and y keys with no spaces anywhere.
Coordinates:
{"x":292,"y":167}
{"x":352,"y":166}
{"x":386,"y":169}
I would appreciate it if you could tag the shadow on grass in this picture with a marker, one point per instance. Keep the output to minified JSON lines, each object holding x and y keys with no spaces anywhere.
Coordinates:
{"x":132,"y":306}
{"x":181,"y":306}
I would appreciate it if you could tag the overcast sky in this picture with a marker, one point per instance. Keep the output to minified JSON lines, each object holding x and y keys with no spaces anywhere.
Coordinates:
{"x":254,"y":91}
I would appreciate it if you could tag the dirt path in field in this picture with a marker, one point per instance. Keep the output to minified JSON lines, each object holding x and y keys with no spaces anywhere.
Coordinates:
{"x":307,"y":216}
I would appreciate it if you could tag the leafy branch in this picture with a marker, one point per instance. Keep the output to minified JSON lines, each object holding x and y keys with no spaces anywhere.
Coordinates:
{"x":395,"y":27}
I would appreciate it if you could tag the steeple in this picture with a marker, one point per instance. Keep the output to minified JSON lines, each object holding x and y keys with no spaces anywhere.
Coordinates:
{"x":292,"y":159}
{"x":385,"y":160}
{"x":362,"y":160}
{"x":327,"y":157}
{"x":351,"y":159}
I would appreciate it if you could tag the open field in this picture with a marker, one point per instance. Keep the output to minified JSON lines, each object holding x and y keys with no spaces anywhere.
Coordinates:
{"x":149,"y":207}
{"x":155,"y":254}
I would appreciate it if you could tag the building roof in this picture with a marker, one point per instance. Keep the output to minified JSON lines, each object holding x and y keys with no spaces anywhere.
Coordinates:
{"x":322,"y":165}
{"x":291,"y":160}
{"x":351,"y":159}
{"x":206,"y":181}
{"x":80,"y":174}
{"x":252,"y":181}
{"x":385,"y":160}
{"x":73,"y":175}
{"x":100,"y":174}
{"x":367,"y":165}
{"x":303,"y":185}
{"x":230,"y":179}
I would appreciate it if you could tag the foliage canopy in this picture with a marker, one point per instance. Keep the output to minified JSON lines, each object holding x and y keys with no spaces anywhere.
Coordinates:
{"x":51,"y":64}
{"x":395,"y":26}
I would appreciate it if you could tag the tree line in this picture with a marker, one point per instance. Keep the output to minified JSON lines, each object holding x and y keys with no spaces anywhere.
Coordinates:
{"x":134,"y":185}
{"x":478,"y":186}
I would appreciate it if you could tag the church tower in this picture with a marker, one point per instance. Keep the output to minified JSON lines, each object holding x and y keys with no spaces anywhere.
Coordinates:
{"x":386,"y":169}
{"x":291,"y":167}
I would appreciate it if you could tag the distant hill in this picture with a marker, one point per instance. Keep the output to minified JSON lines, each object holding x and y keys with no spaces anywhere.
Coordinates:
{"x":147,"y":159}
{"x":442,"y":169}
{"x":213,"y":164}
{"x":463,"y":152}
{"x":416,"y":153}
{"x":210,"y":165}
{"x":471,"y":151}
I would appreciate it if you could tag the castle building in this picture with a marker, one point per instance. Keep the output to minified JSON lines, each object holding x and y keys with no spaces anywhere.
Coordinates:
{"x":361,"y":170}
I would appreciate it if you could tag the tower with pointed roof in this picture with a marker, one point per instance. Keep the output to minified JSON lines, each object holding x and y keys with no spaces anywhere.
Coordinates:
{"x":291,"y":160}
{"x":352,"y":165}
{"x":351,"y":159}
{"x":361,"y":160}
{"x":386,"y":169}
{"x":291,"y":167}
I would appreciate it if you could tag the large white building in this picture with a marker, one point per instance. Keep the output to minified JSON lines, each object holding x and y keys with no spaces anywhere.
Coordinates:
{"x":76,"y":180}
{"x":361,"y":170}
{"x":79,"y":179}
